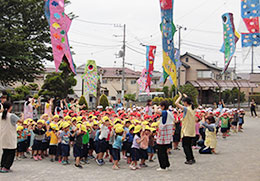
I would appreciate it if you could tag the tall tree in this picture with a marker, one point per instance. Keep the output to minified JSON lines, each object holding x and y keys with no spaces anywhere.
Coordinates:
{"x":24,"y":42}
{"x":59,"y":84}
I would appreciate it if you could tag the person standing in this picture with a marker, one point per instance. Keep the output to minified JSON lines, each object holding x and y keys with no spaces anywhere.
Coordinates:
{"x":3,"y":99}
{"x":188,"y":131}
{"x":148,"y":108}
{"x":28,"y":108}
{"x":164,"y":137}
{"x":119,"y":104}
{"x":8,"y":137}
{"x":48,"y":107}
{"x":252,"y":108}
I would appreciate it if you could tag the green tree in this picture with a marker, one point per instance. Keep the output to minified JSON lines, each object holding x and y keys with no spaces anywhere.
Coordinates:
{"x":166,"y":91}
{"x":130,"y":97}
{"x":24,"y":40}
{"x":83,"y":101}
{"x":172,"y":91}
{"x":59,"y":84}
{"x":190,"y":91}
{"x":20,"y":93}
{"x":103,"y":101}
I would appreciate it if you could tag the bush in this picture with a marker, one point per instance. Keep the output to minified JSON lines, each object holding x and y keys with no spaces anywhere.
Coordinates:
{"x":166,"y":91}
{"x":256,"y":97}
{"x":82,"y":101}
{"x":161,"y":99}
{"x":130,"y":97}
{"x":103,"y":101}
{"x":156,"y":100}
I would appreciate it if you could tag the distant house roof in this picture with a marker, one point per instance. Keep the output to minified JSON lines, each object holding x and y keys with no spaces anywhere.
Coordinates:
{"x":2,"y":87}
{"x":199,"y":59}
{"x":222,"y":83}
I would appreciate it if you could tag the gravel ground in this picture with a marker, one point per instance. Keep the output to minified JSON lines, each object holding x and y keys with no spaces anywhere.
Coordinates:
{"x":237,"y":159}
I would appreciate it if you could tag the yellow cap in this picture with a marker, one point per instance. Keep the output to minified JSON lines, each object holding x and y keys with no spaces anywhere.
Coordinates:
{"x":152,"y":129}
{"x":83,"y":128}
{"x":117,"y":121}
{"x":119,"y":129}
{"x":138,"y":128}
{"x":41,"y":121}
{"x":67,"y":117}
{"x":25,"y":122}
{"x":118,"y":125}
{"x":131,"y":126}
{"x":147,"y":128}
{"x":65,"y":125}
{"x":154,"y":124}
{"x":95,"y":123}
{"x":56,"y":116}
{"x":88,"y":124}
{"x":54,"y":126}
{"x":79,"y":118}
{"x":145,"y":123}
{"x":19,"y":128}
{"x":105,"y":118}
{"x":74,"y":119}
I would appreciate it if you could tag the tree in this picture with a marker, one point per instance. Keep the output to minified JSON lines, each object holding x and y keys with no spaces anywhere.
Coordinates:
{"x":166,"y":91}
{"x":20,"y":93}
{"x":130,"y":97}
{"x":103,"y":101}
{"x":59,"y":84}
{"x":24,"y":43}
{"x":190,"y":91}
{"x":172,"y":91}
{"x":83,"y":101}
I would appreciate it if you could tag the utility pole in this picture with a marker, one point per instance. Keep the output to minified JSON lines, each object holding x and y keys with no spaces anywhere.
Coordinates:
{"x":252,"y":68}
{"x":235,"y":67}
{"x":123,"y":66}
{"x":179,"y":69}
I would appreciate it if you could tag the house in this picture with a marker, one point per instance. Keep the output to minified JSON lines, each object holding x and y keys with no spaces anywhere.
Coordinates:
{"x":208,"y":79}
{"x":253,"y":78}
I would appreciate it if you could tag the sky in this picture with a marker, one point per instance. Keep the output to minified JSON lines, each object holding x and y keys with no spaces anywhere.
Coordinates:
{"x":96,"y":33}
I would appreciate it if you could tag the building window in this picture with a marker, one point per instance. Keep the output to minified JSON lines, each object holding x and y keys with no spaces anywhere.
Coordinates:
{"x":154,"y":82}
{"x":204,"y":74}
{"x":104,"y":81}
{"x":133,"y":82}
{"x":187,"y":60}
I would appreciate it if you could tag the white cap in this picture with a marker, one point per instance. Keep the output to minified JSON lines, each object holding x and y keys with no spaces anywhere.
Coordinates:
{"x":100,"y":107}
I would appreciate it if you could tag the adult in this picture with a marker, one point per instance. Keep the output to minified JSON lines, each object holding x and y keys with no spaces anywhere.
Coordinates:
{"x":3,"y":99}
{"x":164,"y":137}
{"x":188,"y":127}
{"x":119,"y":104}
{"x":221,"y":105}
{"x":8,"y":136}
{"x":35,"y":105}
{"x":48,"y":107}
{"x":148,"y":108}
{"x":252,"y":108}
{"x":28,"y":108}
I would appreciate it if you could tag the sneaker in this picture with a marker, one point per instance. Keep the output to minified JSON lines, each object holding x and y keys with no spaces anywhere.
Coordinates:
{"x":137,"y":167}
{"x":18,"y":158}
{"x":193,"y":161}
{"x":78,"y":166}
{"x":24,"y":156}
{"x":143,"y":165}
{"x":99,"y":162}
{"x":160,"y":170}
{"x":87,"y":162}
{"x":115,"y":167}
{"x":102,"y":161}
{"x":168,"y":169}
{"x":91,"y":157}
{"x":82,"y":162}
{"x":132,"y":167}
{"x":124,"y":157}
{"x":64,"y":163}
{"x":151,"y":161}
{"x":4,"y":170}
{"x":190,"y":162}
{"x":52,"y":160}
{"x":39,"y":157}
{"x":67,"y":162}
{"x":35,"y":158}
{"x":59,"y":161}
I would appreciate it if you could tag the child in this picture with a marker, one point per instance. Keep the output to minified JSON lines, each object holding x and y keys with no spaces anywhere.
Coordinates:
{"x":224,"y":124}
{"x":78,"y":146}
{"x":65,"y":147}
{"x":21,"y":142}
{"x":135,"y":148}
{"x":211,"y":137}
{"x":91,"y":139}
{"x":241,"y":120}
{"x":126,"y":128}
{"x":197,"y":127}
{"x":151,"y":144}
{"x":102,"y":144}
{"x":53,"y":140}
{"x":39,"y":133}
{"x":128,"y":142}
{"x":85,"y":142}
{"x":144,"y":145}
{"x":235,"y":121}
{"x":116,"y":147}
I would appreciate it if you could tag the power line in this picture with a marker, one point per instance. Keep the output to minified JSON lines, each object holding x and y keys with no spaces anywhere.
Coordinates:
{"x":88,"y":44}
{"x":96,"y":23}
{"x":135,"y":50}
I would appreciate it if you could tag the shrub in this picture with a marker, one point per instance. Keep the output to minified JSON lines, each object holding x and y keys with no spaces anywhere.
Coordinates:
{"x":82,"y":101}
{"x":103,"y":101}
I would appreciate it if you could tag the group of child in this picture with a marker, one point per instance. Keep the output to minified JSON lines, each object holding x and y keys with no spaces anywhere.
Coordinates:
{"x":129,"y":133}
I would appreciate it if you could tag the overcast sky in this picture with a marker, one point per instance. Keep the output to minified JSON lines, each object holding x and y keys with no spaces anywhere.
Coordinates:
{"x":203,"y":37}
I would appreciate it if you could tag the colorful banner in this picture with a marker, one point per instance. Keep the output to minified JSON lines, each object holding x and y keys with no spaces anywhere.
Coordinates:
{"x":142,"y":81}
{"x":168,"y":30}
{"x":59,"y":27}
{"x":230,"y":39}
{"x":250,"y":27}
{"x":90,"y":78}
{"x":150,"y":55}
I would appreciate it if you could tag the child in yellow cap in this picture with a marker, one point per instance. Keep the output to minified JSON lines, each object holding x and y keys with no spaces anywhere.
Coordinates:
{"x":128,"y":143}
{"x":53,"y":134}
{"x":65,"y":147}
{"x":117,"y":145}
{"x":39,"y":131}
{"x":92,"y":135}
{"x":21,"y":142}
{"x":135,"y":149}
